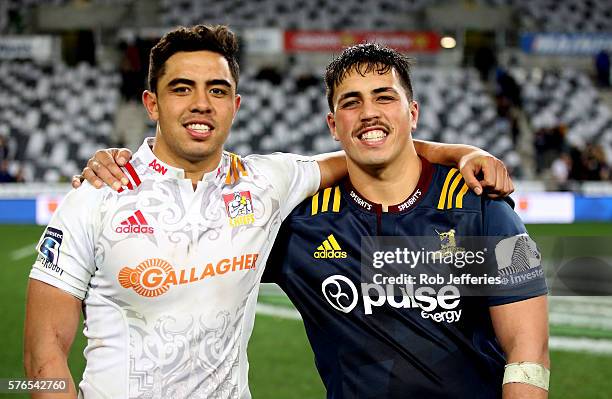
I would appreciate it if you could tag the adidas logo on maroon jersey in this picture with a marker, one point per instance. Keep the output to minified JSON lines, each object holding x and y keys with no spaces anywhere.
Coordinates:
{"x":135,"y":224}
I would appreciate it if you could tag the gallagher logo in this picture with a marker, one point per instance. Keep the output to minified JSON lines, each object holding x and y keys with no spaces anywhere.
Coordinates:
{"x":154,"y":277}
{"x":158,"y":167}
{"x":135,"y":224}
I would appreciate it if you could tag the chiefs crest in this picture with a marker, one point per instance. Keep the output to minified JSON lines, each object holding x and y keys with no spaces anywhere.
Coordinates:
{"x":239,"y":208}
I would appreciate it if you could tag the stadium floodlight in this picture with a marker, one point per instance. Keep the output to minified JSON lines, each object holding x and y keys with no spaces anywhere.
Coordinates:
{"x":448,"y":42}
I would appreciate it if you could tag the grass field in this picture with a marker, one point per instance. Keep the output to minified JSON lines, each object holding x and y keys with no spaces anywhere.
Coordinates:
{"x":281,"y":361}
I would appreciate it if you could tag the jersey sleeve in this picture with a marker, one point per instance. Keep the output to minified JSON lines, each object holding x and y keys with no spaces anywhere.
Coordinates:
{"x":295,"y":177}
{"x":516,"y":256}
{"x":66,"y":249}
{"x":280,"y":256}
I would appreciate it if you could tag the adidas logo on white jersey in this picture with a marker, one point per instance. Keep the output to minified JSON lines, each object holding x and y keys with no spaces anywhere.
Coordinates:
{"x":135,"y":224}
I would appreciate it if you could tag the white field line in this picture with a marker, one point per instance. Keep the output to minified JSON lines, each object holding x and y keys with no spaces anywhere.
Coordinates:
{"x":580,"y":321}
{"x":278,"y":311}
{"x":587,"y":300}
{"x":570,"y":344}
{"x":587,"y":312}
{"x":582,"y":309}
{"x":23,"y":252}
{"x":270,"y":289}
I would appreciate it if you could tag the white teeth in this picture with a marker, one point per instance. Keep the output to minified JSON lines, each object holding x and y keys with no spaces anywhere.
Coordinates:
{"x":373,"y":135}
{"x":198,"y":127}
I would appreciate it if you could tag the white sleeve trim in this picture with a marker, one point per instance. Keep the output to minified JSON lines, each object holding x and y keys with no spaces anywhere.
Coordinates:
{"x":47,"y":278}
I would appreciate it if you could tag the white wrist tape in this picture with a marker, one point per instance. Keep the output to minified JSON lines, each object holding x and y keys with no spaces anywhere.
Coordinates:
{"x":527,"y":373}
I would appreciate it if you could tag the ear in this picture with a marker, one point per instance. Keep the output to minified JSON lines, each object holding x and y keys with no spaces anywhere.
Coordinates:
{"x":414,"y":113}
{"x":331,"y":123}
{"x":149,"y":99}
{"x":237,"y":101}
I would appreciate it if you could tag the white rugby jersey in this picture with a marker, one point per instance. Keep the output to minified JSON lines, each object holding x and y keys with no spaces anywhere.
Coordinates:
{"x":169,"y":276}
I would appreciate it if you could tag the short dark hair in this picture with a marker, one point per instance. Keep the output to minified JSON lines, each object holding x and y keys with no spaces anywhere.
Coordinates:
{"x":366,"y":58}
{"x":216,"y":38}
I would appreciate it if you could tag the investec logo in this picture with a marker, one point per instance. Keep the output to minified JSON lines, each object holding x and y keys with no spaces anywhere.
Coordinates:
{"x":330,"y":249}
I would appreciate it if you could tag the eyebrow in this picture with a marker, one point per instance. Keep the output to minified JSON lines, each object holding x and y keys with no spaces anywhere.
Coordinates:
{"x":189,"y":82}
{"x":348,"y":94}
{"x":383,"y":89}
{"x":219,"y":82}
{"x":181,"y":81}
{"x":357,"y":94}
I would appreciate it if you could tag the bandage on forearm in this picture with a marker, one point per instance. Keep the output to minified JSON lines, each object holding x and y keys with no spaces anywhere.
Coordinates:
{"x":527,"y":373}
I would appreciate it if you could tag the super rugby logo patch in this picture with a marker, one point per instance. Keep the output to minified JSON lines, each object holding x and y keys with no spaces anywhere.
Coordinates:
{"x":239,"y":208}
{"x":49,"y":249}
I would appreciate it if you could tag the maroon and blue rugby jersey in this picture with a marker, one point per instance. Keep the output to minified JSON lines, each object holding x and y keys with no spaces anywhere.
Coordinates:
{"x":373,"y":343}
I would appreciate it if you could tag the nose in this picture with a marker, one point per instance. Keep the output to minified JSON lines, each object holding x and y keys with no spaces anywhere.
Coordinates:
{"x":201,"y":102}
{"x":369,"y":110}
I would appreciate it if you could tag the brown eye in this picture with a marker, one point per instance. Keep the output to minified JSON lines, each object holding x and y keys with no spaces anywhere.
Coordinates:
{"x":180,"y":89}
{"x":348,"y":104}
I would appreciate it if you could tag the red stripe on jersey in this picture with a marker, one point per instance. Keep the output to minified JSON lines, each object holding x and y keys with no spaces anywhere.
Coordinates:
{"x":132,"y":220}
{"x":141,"y":218}
{"x":133,"y":174}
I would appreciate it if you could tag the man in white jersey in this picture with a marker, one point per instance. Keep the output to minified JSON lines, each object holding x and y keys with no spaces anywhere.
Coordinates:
{"x":166,"y":268}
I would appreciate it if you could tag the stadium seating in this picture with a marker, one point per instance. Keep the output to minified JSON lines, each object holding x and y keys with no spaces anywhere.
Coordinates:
{"x":66,"y":113}
{"x":568,"y":97}
{"x":454,"y":108}
{"x":301,"y":14}
{"x":56,"y":116}
{"x":562,"y":15}
{"x":547,"y":15}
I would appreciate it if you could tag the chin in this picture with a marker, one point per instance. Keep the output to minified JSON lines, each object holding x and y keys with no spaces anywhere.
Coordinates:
{"x":373,"y":163}
{"x":196,"y":155}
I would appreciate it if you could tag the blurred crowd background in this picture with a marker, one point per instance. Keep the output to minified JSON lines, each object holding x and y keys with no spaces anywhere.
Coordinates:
{"x":528,"y":81}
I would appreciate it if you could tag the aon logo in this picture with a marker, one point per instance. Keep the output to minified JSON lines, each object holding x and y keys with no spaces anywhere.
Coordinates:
{"x":158,"y":167}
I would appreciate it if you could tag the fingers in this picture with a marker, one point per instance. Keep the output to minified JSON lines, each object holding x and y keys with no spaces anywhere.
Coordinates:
{"x":470,"y":179}
{"x":108,"y":162}
{"x":483,"y":172}
{"x":122,"y":156}
{"x":104,"y":171}
{"x":490,"y":178}
{"x":76,"y":181}
{"x":92,"y":178}
{"x":496,"y":181}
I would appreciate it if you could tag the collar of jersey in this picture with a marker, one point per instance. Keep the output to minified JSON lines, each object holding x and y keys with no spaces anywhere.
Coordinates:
{"x":409,"y":203}
{"x":145,"y":153}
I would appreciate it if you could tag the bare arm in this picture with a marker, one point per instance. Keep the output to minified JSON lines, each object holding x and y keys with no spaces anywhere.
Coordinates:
{"x":522,"y":330}
{"x":471,"y":161}
{"x":52,"y":317}
{"x":103,"y":167}
{"x":332,"y":166}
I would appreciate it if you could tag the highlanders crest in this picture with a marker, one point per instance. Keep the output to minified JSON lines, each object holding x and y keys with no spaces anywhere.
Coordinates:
{"x":448,"y":243}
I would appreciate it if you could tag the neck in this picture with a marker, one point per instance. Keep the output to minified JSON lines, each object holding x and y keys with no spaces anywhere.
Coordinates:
{"x":194,"y":169}
{"x":390,"y":184}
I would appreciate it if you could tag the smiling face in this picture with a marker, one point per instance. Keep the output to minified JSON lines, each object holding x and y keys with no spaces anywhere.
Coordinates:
{"x":373,"y":118}
{"x":194,"y":108}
